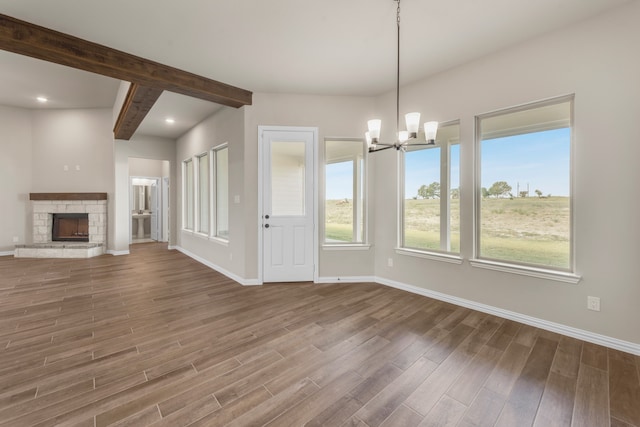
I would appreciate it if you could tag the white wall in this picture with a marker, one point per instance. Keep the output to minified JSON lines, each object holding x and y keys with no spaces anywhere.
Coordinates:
{"x":79,"y":139}
{"x":15,"y":177}
{"x":224,"y":126}
{"x":335,"y":117}
{"x":146,"y":167}
{"x":36,"y":146}
{"x":598,"y":61}
{"x":139,"y":147}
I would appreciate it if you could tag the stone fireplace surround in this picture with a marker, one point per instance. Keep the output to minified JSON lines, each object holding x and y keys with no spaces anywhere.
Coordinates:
{"x":45,"y":205}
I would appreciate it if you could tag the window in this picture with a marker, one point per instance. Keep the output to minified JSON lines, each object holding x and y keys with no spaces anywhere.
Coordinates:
{"x":187,"y":179}
{"x":430,"y":202}
{"x":524,"y":204}
{"x":344,"y":192}
{"x":221,"y":188}
{"x":203,"y":193}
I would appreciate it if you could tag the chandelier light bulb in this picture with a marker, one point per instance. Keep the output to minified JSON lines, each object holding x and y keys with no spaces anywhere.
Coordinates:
{"x":413,"y":123}
{"x":430,"y":130}
{"x":374,"y":129}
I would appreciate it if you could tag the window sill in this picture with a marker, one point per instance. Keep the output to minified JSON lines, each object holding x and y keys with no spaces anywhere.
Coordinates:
{"x":220,"y":241}
{"x":435,"y":256}
{"x":188,"y":231}
{"x":540,"y":273}
{"x":346,"y":247}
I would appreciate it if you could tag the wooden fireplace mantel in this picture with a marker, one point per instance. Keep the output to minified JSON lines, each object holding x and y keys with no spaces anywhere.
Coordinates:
{"x":67,"y":196}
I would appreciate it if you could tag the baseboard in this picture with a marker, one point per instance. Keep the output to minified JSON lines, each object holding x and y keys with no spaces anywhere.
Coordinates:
{"x":346,"y":279}
{"x":117,"y":253}
{"x":580,"y":334}
{"x":230,"y":275}
{"x":7,"y":253}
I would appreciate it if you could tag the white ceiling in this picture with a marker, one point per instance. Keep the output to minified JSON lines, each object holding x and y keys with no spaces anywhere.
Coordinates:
{"x":288,"y":46}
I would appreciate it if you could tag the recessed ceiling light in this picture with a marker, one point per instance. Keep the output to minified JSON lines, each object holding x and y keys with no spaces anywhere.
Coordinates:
{"x":170,"y":121}
{"x":42,"y":99}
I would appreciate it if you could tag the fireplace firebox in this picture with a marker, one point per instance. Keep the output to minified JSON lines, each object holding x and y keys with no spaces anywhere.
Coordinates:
{"x":70,"y":227}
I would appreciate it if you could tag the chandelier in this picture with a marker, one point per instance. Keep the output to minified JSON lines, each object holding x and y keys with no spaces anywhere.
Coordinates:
{"x":407,"y":137}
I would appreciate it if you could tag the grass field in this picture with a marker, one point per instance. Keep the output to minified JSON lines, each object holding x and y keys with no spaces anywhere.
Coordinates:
{"x":529,"y":230}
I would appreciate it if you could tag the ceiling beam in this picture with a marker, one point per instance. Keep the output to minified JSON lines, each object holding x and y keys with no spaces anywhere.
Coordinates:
{"x":136,"y":106}
{"x":42,"y":43}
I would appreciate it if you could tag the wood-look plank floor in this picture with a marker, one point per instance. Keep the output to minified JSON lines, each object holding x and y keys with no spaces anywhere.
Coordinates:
{"x":155,"y":338}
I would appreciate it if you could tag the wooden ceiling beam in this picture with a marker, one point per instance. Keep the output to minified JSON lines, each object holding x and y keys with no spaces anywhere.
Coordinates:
{"x":42,"y":43}
{"x":136,"y":106}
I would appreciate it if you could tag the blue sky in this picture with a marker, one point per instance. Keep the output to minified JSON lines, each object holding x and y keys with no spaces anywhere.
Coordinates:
{"x":539,"y":159}
{"x":522,"y":158}
{"x":339,"y":180}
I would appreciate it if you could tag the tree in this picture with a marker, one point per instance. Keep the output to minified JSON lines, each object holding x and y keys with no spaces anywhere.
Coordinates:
{"x":485,"y":192}
{"x":455,"y":193}
{"x":430,"y":191}
{"x":422,"y":191}
{"x":524,"y":194}
{"x":538,"y":193}
{"x":499,"y":188}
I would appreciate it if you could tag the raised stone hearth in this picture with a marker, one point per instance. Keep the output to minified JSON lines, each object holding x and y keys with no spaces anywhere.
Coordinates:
{"x":59,"y":250}
{"x":45,"y":205}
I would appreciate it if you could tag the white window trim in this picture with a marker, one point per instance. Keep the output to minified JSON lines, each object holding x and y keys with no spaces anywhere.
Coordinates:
{"x":346,"y":247}
{"x":354,"y":244}
{"x":435,"y":256}
{"x":213,"y":193}
{"x":197,"y":219}
{"x":569,"y":276}
{"x":524,"y":270}
{"x":185,"y":197}
{"x":445,"y":232}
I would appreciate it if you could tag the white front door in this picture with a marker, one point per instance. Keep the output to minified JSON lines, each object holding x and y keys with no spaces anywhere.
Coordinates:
{"x":288,"y":205}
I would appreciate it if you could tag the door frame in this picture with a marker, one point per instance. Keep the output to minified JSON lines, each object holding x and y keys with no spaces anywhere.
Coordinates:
{"x":161,"y":212}
{"x":261,"y":153}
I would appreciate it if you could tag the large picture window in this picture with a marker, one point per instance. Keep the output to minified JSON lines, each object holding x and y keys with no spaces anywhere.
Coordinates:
{"x":430,"y":200}
{"x":203,"y":193}
{"x":221,"y":188}
{"x":188,"y":194}
{"x":524,"y":201}
{"x":344,"y":192}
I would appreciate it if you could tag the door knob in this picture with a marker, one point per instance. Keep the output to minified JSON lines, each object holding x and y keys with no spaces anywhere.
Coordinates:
{"x":266,"y":226}
{"x":266,"y":217}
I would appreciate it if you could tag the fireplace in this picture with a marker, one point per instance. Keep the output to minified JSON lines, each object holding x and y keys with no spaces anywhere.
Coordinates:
{"x":70,"y":227}
{"x":66,"y":225}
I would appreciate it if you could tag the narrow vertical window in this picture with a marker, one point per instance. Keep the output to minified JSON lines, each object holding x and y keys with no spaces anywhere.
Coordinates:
{"x":221,"y":178}
{"x":203,"y":193}
{"x":188,"y":197}
{"x":431,"y":196}
{"x":524,"y":199}
{"x":344,"y":191}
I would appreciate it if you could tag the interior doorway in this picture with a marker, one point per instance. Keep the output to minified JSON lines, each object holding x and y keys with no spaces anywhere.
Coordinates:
{"x":148,"y":200}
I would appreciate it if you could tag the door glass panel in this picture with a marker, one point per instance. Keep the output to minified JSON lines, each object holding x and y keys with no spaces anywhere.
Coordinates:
{"x":287,"y":178}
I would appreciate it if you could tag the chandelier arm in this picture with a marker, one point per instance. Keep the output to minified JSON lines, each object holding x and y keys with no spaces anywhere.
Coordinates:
{"x":385,"y":147}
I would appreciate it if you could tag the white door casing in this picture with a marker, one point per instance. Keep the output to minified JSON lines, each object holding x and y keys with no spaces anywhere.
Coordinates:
{"x":154,"y":209}
{"x":288,"y":211}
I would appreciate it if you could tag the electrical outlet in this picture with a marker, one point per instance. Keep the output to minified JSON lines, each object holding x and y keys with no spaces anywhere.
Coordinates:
{"x":65,"y":168}
{"x":593,"y":303}
{"x":389,"y":262}
{"x":77,"y":167}
{"x":16,"y":239}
